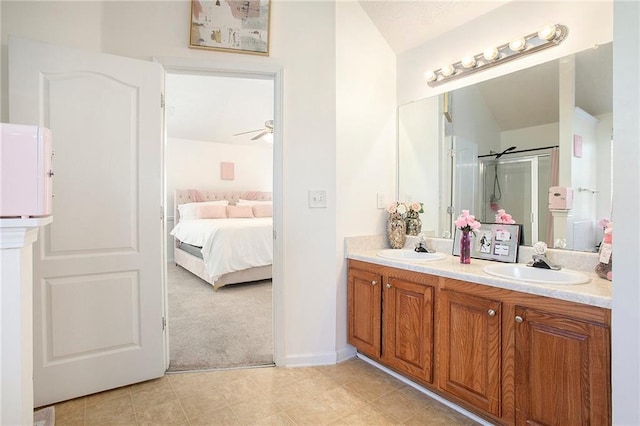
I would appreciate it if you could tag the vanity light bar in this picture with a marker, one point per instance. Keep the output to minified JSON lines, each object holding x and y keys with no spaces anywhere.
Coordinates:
{"x":547,"y":36}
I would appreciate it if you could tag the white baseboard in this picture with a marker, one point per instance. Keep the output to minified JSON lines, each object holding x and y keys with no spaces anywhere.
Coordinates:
{"x":345,"y":353}
{"x":310,"y":360}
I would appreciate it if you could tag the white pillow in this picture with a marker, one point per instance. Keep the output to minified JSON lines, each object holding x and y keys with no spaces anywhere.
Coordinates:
{"x":242,"y":202}
{"x":189,"y":211}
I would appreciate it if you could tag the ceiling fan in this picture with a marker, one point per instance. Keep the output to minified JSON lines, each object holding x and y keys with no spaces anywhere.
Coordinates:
{"x":268,"y":129}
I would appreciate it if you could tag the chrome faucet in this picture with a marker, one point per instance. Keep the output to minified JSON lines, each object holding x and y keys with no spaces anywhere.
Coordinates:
{"x":421,"y":245}
{"x":540,"y":260}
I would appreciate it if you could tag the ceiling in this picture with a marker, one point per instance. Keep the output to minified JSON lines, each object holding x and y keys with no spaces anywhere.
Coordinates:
{"x":214,"y":108}
{"x":406,"y":24}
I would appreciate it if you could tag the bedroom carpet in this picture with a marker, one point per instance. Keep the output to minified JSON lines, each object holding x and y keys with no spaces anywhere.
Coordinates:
{"x":228,"y":328}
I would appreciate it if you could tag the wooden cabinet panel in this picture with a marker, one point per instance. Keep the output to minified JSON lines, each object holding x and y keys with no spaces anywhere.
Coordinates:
{"x":562,"y":368}
{"x":408,"y":327}
{"x":364,"y":311}
{"x":470,"y":349}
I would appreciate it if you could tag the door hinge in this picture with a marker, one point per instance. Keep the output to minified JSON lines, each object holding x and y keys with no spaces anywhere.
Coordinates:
{"x":451,"y":153}
{"x":162,"y":100}
{"x":164,"y":323}
{"x":450,"y":210}
{"x":275,"y":235}
{"x":161,"y":212}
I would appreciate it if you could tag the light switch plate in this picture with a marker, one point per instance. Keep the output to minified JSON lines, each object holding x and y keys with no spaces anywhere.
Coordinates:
{"x":317,"y":198}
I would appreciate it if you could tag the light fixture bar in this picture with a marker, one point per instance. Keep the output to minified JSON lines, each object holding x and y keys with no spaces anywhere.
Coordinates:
{"x":548,"y":36}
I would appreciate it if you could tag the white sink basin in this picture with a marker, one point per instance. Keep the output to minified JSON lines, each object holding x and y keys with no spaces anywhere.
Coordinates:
{"x":410,"y":255}
{"x":529,"y":274}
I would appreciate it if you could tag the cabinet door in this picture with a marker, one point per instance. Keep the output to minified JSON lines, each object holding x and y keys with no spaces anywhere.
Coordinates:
{"x":470,"y":349}
{"x":562,"y":370}
{"x":364,"y":311}
{"x":408,"y":328}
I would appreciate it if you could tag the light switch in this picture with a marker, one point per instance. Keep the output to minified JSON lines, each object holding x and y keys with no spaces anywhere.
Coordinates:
{"x":380,"y":200}
{"x":317,"y":198}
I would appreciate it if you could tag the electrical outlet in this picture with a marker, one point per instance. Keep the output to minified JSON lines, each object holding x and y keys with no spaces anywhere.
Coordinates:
{"x":317,"y":198}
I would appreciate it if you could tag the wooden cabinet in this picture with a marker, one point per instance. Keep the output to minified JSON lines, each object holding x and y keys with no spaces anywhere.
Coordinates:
{"x":511,"y":357}
{"x":364,"y":302}
{"x":562,"y":370}
{"x":408,"y":326}
{"x":470,"y":349}
{"x":390,"y":315}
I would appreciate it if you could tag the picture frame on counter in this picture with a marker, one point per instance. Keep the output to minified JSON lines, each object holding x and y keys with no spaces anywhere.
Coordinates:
{"x":493,"y":241}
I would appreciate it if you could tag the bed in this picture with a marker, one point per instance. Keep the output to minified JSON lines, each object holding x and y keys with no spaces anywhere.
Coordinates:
{"x":219,"y":249}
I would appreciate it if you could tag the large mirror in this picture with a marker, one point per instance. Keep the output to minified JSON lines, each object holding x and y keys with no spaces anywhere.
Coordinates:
{"x":502,"y":143}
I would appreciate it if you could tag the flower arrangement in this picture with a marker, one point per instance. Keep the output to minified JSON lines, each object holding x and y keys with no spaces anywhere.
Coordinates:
{"x":415,"y":209}
{"x":397,"y":210}
{"x":504,"y":217}
{"x":467,"y":222}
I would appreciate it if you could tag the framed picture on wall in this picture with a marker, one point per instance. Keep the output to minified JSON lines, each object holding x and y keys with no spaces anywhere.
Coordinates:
{"x":240,"y":26}
{"x":493,"y":241}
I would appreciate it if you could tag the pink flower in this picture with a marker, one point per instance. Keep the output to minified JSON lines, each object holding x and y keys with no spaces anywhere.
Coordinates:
{"x":604,"y":222}
{"x":416,"y":207}
{"x":504,"y":217}
{"x":467,"y":222}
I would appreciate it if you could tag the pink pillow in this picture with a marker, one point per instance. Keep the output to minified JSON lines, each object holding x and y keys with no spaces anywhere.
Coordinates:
{"x":208,"y":211}
{"x":263,"y":210}
{"x":239,"y":211}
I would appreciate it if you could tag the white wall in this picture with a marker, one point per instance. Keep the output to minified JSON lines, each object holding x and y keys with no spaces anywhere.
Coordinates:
{"x":366,"y":137}
{"x":530,"y":137}
{"x":419,"y":146}
{"x":603,"y":155}
{"x":626,"y":157}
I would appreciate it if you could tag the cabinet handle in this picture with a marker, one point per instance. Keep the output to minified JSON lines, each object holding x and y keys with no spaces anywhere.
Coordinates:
{"x":519,"y":318}
{"x":388,"y":285}
{"x":374,"y":283}
{"x":491,"y":313}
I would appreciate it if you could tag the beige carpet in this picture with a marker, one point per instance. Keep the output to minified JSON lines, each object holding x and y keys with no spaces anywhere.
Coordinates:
{"x":228,"y":328}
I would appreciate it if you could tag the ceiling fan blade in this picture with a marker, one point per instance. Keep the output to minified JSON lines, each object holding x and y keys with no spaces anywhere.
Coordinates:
{"x":250,"y":131}
{"x":261,"y":134}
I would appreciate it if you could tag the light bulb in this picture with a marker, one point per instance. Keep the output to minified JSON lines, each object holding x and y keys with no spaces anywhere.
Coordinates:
{"x":547,"y":32}
{"x":430,"y":76}
{"x":468,"y":62}
{"x":447,"y":70}
{"x":490,"y":54}
{"x":517,"y":44}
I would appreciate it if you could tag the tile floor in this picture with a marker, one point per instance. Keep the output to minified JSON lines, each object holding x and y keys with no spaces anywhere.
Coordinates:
{"x":350,"y":393}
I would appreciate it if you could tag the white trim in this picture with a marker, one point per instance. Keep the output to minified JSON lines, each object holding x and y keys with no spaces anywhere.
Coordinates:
{"x":425,"y":391}
{"x":345,"y":353}
{"x":257,"y":70}
{"x":310,"y":360}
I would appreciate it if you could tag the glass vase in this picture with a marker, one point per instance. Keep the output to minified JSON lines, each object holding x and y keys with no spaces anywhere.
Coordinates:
{"x":465,"y":247}
{"x":396,"y":232}
{"x":414,"y":225}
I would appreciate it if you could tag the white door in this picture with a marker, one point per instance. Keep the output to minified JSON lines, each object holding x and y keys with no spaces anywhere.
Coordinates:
{"x":98,"y":281}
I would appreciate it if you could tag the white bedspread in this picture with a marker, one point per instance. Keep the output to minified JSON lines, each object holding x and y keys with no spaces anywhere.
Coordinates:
{"x":229,"y":245}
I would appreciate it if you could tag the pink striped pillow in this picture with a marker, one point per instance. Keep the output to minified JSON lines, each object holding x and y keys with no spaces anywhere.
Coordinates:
{"x":209,"y":211}
{"x":263,"y":210}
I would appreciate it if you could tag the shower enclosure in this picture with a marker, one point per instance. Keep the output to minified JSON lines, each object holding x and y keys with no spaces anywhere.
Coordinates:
{"x":517,"y":182}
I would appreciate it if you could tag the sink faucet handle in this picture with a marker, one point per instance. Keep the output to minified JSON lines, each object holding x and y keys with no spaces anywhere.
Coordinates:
{"x":540,"y":247}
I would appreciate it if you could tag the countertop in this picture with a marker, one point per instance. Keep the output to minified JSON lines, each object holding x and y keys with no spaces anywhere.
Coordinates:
{"x":597,"y":292}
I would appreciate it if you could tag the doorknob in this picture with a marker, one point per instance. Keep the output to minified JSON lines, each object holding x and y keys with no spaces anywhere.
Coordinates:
{"x":388,"y":285}
{"x":519,"y":318}
{"x":491,"y":312}
{"x":374,"y":283}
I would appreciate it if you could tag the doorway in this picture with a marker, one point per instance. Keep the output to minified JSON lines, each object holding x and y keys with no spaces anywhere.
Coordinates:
{"x":214,"y":117}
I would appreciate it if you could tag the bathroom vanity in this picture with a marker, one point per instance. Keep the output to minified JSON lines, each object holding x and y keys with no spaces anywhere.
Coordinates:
{"x":511,"y":352}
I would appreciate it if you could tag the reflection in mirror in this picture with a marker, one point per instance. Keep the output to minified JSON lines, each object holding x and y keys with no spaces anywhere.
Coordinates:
{"x":502,"y":143}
